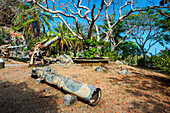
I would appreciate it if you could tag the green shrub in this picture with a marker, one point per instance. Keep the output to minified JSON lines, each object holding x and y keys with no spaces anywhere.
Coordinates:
{"x":141,"y":62}
{"x":162,"y":61}
{"x":91,"y":48}
{"x":113,"y":55}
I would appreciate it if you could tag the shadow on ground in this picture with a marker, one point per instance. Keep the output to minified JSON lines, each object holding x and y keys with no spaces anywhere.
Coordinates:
{"x":18,"y":98}
{"x":152,"y":92}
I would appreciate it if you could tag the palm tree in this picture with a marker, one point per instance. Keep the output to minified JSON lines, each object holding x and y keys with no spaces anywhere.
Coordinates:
{"x":32,"y":21}
{"x":65,"y":37}
{"x":77,"y":44}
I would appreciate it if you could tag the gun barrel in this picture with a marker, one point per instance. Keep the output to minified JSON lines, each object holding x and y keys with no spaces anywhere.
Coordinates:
{"x":44,"y":41}
{"x":12,"y":47}
{"x":86,"y":92}
{"x":50,"y":42}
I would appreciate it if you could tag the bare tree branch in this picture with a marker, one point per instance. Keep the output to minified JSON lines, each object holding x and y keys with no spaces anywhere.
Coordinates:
{"x":125,"y":36}
{"x":153,"y":7}
{"x":91,"y":20}
{"x":67,"y":15}
{"x":94,"y":18}
{"x":127,"y":3}
{"x":150,"y":45}
{"x":74,"y":34}
{"x":92,"y":23}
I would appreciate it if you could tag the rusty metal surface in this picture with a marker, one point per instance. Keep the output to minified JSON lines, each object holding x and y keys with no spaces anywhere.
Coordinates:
{"x":37,"y":56}
{"x":86,"y":92}
{"x":13,"y":47}
{"x":8,"y":51}
{"x":50,"y":42}
{"x":44,"y":41}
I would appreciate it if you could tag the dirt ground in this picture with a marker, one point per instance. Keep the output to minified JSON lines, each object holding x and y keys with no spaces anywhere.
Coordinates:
{"x":142,"y":91}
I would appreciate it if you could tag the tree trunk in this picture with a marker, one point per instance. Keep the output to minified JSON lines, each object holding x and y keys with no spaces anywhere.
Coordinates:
{"x":144,"y":57}
{"x":111,"y":44}
{"x":98,"y":48}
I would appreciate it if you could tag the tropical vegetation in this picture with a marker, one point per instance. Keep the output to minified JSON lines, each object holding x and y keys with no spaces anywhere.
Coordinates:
{"x":124,"y":36}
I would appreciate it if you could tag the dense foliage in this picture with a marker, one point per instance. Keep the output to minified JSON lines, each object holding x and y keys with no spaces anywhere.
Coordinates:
{"x":34,"y":23}
{"x":90,"y":48}
{"x":150,"y":29}
{"x":162,"y":61}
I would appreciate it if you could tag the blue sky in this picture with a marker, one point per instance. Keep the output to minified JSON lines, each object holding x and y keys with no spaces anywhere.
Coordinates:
{"x":142,"y":3}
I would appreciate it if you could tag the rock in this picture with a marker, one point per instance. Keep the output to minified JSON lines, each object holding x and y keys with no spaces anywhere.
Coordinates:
{"x":119,"y":62}
{"x":75,"y":76}
{"x":46,"y":89}
{"x":125,"y":85}
{"x":2,"y":63}
{"x":38,"y":80}
{"x":1,"y":60}
{"x":69,"y":100}
{"x":65,"y":59}
{"x":98,"y":69}
{"x":68,"y":60}
{"x":47,"y":69}
{"x":66,"y":56}
{"x":124,"y":72}
{"x":119,"y":67}
{"x":58,"y":62}
{"x":116,"y":74}
{"x":71,"y":61}
{"x":51,"y":60}
{"x":61,"y":64}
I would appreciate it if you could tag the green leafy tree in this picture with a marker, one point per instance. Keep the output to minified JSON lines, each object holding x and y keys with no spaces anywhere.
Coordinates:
{"x":147,"y":30}
{"x":129,"y":48}
{"x":164,"y":23}
{"x":90,"y":11}
{"x":77,"y":46}
{"x":31,"y":21}
{"x":162,"y":61}
{"x":90,"y":48}
{"x":8,"y":9}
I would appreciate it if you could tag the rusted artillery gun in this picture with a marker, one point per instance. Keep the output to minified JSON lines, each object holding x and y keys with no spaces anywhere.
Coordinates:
{"x":4,"y":50}
{"x":39,"y":53}
{"x":8,"y":51}
{"x":86,"y":92}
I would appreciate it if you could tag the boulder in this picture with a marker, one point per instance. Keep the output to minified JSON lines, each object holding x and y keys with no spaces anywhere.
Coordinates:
{"x":46,"y":89}
{"x":65,"y":59}
{"x":98,"y":69}
{"x":119,"y":62}
{"x":47,"y":68}
{"x":124,"y":72}
{"x":115,"y":74}
{"x":2,"y":63}
{"x":69,"y":100}
{"x":61,"y":64}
